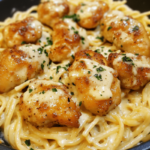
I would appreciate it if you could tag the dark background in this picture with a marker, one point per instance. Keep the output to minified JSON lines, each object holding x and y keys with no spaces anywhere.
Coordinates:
{"x":8,"y":7}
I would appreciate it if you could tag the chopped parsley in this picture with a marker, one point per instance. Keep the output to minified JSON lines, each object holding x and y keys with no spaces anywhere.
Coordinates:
{"x":126,"y":59}
{"x":76,"y":32}
{"x":46,"y":52}
{"x":30,"y":90}
{"x":73,"y":84}
{"x":136,"y":54}
{"x":49,"y":42}
{"x":89,"y":72}
{"x":87,"y":54}
{"x":136,"y":28}
{"x":80,"y":103}
{"x":42,"y":66}
{"x":100,"y":69}
{"x":82,"y":39}
{"x":57,"y":69}
{"x":94,"y":66}
{"x":73,"y":56}
{"x":110,"y":27}
{"x":40,"y":50}
{"x":100,"y":38}
{"x":43,"y":92}
{"x":51,"y":77}
{"x":65,"y":68}
{"x":68,"y":65}
{"x":98,"y":76}
{"x":110,"y":50}
{"x":121,"y":45}
{"x":81,"y":11}
{"x":31,"y":149}
{"x":27,"y":142}
{"x":23,"y":42}
{"x":74,"y":17}
{"x":72,"y":28}
{"x":71,"y":93}
{"x":39,"y":41}
{"x":54,"y":89}
{"x":97,"y":51}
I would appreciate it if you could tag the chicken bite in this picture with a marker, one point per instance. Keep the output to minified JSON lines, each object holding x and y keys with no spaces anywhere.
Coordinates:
{"x":19,"y":64}
{"x":47,"y":103}
{"x":28,"y":30}
{"x":90,"y":13}
{"x":49,"y":12}
{"x":126,"y":33}
{"x":133,"y":69}
{"x":68,"y":38}
{"x":94,"y":84}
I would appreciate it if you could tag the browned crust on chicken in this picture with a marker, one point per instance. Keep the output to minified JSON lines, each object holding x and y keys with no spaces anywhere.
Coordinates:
{"x":62,"y":112}
{"x":49,"y":16}
{"x":93,"y":20}
{"x":13,"y":60}
{"x":63,"y":43}
{"x":89,"y":54}
{"x":126,"y":74}
{"x":21,"y":31}
{"x":99,"y":107}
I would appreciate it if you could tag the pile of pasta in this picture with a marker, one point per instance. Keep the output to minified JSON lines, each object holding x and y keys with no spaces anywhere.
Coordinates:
{"x":122,"y":128}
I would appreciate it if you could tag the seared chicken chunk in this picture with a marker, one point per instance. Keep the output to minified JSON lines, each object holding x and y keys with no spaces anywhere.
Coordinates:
{"x":48,"y":103}
{"x":28,"y":30}
{"x":133,"y":69}
{"x":90,"y":13}
{"x":68,"y":38}
{"x":94,"y":83}
{"x":126,"y":33}
{"x":51,"y":11}
{"x":19,"y":64}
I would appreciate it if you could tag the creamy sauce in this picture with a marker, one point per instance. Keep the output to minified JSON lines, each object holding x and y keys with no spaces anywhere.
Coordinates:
{"x":138,"y":63}
{"x":35,"y":56}
{"x":81,"y":32}
{"x":36,"y":25}
{"x":99,"y":88}
{"x":92,"y":35}
{"x":88,"y":9}
{"x":55,"y":6}
{"x":43,"y":40}
{"x":49,"y":96}
{"x":54,"y":72}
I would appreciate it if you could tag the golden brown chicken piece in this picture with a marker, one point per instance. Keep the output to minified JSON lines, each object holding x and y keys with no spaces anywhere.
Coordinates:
{"x":51,"y":11}
{"x":48,"y":103}
{"x":126,"y":33}
{"x":133,"y":69}
{"x":19,"y":64}
{"x":94,"y":84}
{"x":68,"y":38}
{"x":90,"y":13}
{"x":28,"y":30}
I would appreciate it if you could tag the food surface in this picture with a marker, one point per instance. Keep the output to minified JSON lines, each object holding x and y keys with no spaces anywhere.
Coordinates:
{"x":75,"y":75}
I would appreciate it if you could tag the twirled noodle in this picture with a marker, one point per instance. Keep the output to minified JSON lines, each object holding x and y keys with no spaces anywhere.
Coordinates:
{"x":122,"y":128}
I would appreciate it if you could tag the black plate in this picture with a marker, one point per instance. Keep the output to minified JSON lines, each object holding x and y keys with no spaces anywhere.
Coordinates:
{"x":8,"y":7}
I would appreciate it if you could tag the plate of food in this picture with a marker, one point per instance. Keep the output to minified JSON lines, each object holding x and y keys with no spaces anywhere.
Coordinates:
{"x":74,"y":75}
